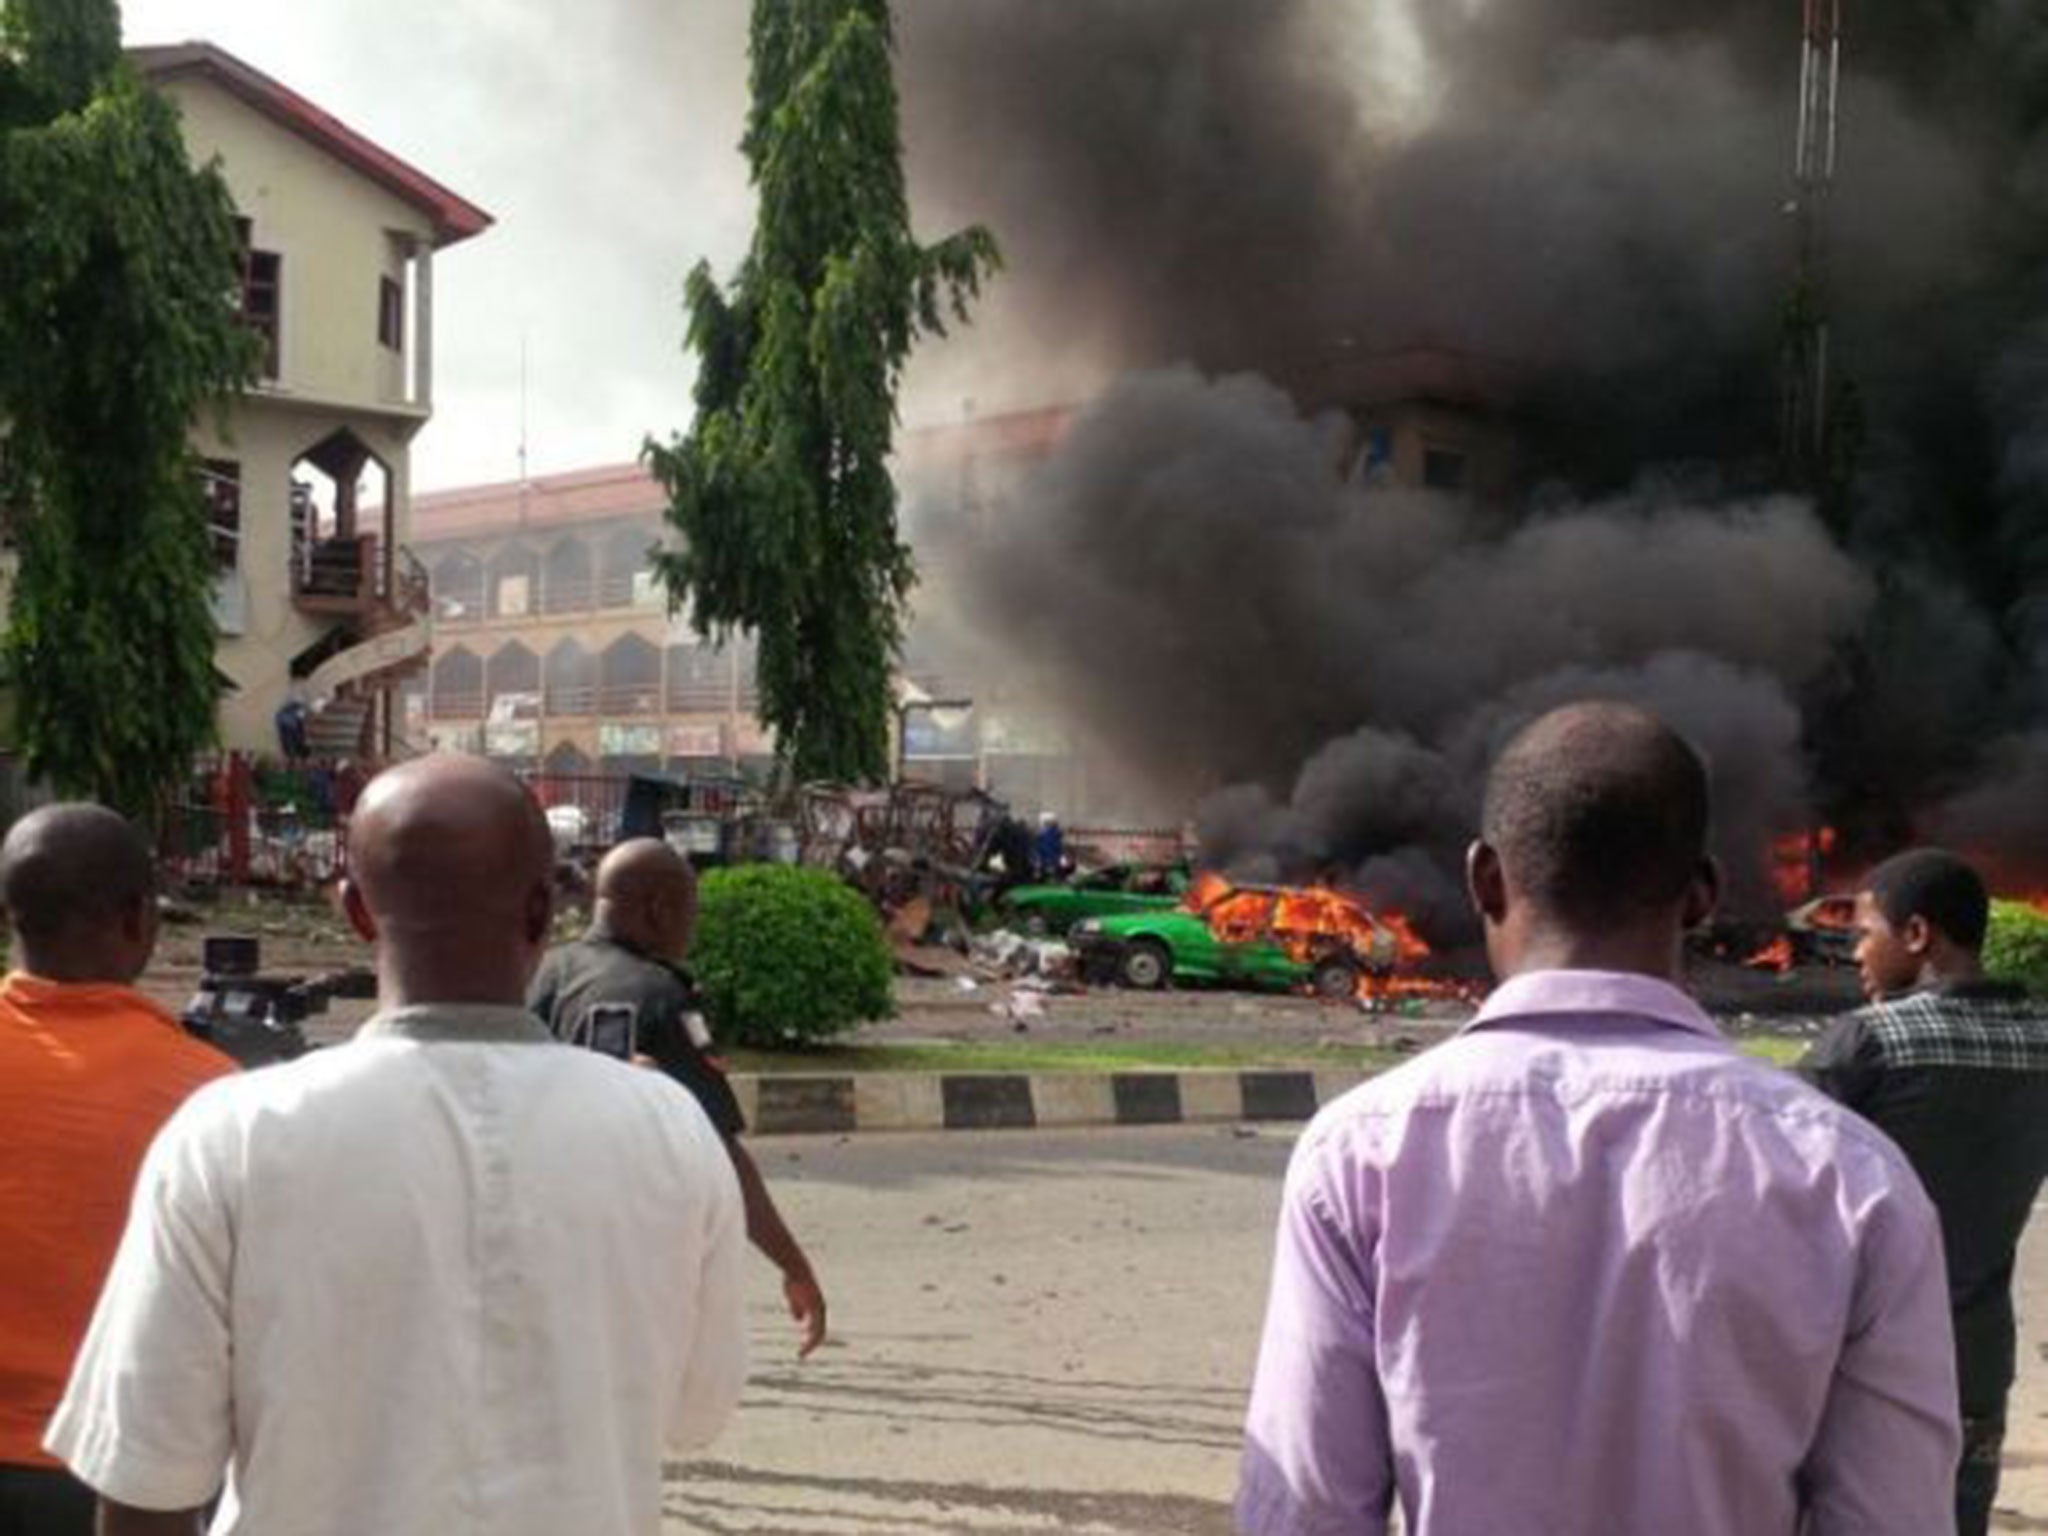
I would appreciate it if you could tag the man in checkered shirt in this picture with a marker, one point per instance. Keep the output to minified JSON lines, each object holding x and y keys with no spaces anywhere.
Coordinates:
{"x":1954,"y":1068}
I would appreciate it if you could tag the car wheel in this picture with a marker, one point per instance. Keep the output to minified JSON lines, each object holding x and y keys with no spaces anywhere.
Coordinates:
{"x":1335,"y":980}
{"x":1146,"y":966}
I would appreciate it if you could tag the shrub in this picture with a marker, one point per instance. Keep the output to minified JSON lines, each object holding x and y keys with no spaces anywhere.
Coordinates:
{"x":2016,"y":949}
{"x":787,"y":956}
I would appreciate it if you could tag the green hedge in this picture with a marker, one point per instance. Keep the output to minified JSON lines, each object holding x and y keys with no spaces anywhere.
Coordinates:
{"x":787,"y":956}
{"x":2017,"y":947}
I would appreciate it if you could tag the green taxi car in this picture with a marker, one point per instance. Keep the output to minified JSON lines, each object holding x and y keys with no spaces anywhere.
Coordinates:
{"x":1040,"y":910}
{"x":1150,"y":950}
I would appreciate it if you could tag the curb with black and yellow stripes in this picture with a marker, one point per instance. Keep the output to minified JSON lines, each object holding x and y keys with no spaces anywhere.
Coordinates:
{"x":792,"y":1103}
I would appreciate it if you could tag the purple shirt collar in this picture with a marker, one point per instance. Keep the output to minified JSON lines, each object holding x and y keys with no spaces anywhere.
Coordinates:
{"x":1536,"y":995}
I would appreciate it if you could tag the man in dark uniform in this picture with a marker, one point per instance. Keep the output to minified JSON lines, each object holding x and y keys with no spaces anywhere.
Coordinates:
{"x":621,"y":989}
{"x":1954,"y":1068}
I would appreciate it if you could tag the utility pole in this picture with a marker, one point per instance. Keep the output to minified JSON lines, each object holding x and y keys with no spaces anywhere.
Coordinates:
{"x":1804,"y":422}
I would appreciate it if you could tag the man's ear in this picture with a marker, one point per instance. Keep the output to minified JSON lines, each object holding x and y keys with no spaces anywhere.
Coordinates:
{"x":1917,"y":934}
{"x":138,"y":920}
{"x":1486,"y":881}
{"x":540,"y":912}
{"x":358,"y":912}
{"x":1703,"y":895}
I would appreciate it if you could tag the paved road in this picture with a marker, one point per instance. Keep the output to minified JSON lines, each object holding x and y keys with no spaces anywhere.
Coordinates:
{"x":1033,"y":1333}
{"x":1049,"y":1332}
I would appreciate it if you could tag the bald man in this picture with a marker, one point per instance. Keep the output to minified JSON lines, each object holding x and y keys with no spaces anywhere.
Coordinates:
{"x":450,"y":1276}
{"x":1587,"y":1267}
{"x":89,"y":1071}
{"x":622,"y":989}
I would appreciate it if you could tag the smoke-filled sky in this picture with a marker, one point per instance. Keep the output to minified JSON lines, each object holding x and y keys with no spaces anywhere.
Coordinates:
{"x":1594,"y":192}
{"x":1207,"y":195}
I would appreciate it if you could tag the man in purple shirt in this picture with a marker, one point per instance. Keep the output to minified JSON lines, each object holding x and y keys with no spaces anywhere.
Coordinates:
{"x":1586,"y":1268}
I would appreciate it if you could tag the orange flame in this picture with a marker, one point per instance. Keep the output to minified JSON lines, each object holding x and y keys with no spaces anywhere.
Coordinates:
{"x":1311,"y":923}
{"x":1796,"y":862}
{"x":1774,"y":956}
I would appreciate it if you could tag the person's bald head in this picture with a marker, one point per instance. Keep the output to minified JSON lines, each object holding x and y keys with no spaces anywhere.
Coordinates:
{"x":647,"y":895}
{"x":79,"y":887}
{"x":450,"y":867}
{"x":1596,"y":816}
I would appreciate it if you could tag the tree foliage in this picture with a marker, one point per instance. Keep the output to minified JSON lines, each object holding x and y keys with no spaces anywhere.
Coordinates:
{"x":118,"y":267}
{"x":2016,"y":949}
{"x":782,"y":489}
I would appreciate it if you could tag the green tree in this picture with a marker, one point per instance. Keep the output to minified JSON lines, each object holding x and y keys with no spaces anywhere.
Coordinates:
{"x":782,"y":490}
{"x":2016,"y":948}
{"x":118,"y":266}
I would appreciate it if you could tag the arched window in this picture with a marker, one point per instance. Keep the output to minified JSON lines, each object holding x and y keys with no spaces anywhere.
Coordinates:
{"x":513,"y":574}
{"x":570,"y":680}
{"x":458,"y":687}
{"x":457,"y":582}
{"x":567,"y":759}
{"x":512,"y":670}
{"x":620,"y":562}
{"x":565,"y":582}
{"x":629,"y":677}
{"x":699,"y":679}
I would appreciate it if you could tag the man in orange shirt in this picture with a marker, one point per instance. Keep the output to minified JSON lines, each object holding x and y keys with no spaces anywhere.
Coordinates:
{"x":89,"y":1069}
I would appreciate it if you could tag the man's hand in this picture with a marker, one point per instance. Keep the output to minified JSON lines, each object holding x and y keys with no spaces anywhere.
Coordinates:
{"x":807,"y":1306}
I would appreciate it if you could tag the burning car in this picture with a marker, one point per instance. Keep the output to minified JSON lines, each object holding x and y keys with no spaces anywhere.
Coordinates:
{"x":1823,"y":930}
{"x":1039,"y":910}
{"x":1274,"y":937}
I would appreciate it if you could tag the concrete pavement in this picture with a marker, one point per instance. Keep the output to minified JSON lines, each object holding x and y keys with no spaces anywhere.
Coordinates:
{"x":1031,"y":1334}
{"x":1051,"y":1332}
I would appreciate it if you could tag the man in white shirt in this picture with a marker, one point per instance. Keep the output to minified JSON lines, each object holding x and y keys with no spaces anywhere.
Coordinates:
{"x":450,"y":1277}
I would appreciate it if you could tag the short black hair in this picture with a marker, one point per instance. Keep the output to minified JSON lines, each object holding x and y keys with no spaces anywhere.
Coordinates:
{"x":1934,"y":884}
{"x":1598,"y":811}
{"x":68,"y":867}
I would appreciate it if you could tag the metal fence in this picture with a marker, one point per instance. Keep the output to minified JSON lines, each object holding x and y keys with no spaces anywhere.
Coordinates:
{"x":236,"y":822}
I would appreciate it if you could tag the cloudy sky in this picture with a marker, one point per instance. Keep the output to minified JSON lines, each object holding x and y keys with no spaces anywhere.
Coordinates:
{"x":603,"y":137}
{"x":600,"y":135}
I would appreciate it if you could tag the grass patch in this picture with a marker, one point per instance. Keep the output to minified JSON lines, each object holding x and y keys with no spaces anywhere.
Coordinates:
{"x":1782,"y":1049}
{"x":1118,"y":1056}
{"x":1025,"y":1056}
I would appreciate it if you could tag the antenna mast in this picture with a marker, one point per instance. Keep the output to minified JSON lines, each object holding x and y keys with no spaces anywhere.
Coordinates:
{"x":522,"y":429}
{"x":1804,"y":427}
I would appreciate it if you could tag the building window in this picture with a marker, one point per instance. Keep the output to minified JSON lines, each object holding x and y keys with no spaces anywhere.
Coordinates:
{"x":458,"y":685}
{"x":569,"y":680}
{"x":699,"y":678}
{"x":629,"y":677}
{"x":1443,"y":470}
{"x":262,"y":296}
{"x":221,"y":479}
{"x":566,"y":584}
{"x":391,"y":314}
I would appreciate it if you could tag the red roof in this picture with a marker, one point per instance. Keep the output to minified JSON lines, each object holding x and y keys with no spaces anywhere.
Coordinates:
{"x":1023,"y":434}
{"x":627,"y":490}
{"x":454,"y":218}
{"x":586,"y":496}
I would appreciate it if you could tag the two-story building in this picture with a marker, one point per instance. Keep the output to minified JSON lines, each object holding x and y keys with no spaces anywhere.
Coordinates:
{"x":554,"y":647}
{"x":318,"y":598}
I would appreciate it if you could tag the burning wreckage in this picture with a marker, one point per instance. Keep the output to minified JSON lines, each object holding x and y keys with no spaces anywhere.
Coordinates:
{"x":1274,"y":937}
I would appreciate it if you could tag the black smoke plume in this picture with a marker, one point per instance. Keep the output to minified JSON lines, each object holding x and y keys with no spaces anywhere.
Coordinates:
{"x":1593,"y":192}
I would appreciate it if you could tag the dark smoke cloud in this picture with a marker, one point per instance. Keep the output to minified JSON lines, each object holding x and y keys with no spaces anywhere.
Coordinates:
{"x":1594,"y":192}
{"x":2003,"y":817}
{"x":1229,"y":611}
